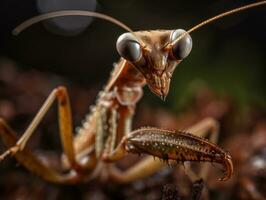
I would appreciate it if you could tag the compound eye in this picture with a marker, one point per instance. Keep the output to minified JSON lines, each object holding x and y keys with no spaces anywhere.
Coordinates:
{"x":182,"y":47}
{"x":128,"y":47}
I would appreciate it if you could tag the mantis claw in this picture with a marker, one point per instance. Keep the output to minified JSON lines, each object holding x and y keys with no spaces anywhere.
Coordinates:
{"x":228,"y":165}
{"x":179,"y":146}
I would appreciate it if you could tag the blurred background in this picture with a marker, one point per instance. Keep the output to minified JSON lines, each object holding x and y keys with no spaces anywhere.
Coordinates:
{"x":224,"y":76}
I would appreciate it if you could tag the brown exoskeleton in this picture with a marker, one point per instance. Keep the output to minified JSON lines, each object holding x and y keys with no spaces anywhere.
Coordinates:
{"x":147,"y":58}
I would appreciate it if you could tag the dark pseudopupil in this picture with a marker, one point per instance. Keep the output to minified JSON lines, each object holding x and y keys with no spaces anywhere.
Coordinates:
{"x":182,"y":48}
{"x":130,"y":50}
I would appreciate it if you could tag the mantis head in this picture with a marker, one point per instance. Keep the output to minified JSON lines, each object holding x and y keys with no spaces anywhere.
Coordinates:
{"x":155,"y":54}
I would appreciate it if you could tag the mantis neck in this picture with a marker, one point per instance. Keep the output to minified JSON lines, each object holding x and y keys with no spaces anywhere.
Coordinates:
{"x":125,"y":74}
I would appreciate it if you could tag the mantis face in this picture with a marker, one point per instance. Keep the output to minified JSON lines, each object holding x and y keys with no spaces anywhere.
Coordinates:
{"x":155,"y":54}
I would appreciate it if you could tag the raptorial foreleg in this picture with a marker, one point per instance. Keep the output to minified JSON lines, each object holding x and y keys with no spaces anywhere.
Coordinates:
{"x":179,"y":146}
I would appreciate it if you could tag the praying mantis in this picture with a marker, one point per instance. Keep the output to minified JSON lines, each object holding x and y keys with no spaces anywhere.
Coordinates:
{"x":147,"y":58}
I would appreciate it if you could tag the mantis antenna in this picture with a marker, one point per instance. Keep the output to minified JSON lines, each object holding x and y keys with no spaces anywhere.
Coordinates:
{"x":63,"y":13}
{"x":236,"y":10}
